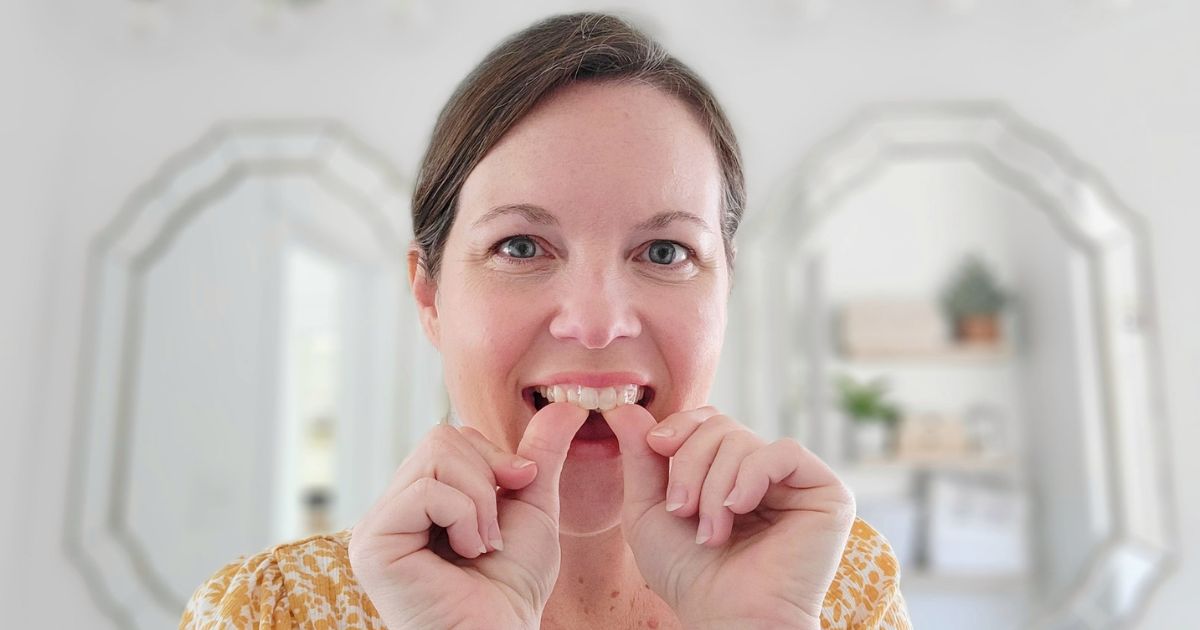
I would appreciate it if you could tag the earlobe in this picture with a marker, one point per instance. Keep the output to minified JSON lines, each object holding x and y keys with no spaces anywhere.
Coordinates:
{"x":425,"y":294}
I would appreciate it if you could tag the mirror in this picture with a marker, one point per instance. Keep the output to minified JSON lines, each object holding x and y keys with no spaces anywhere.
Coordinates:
{"x":250,"y":366}
{"x":957,"y":314}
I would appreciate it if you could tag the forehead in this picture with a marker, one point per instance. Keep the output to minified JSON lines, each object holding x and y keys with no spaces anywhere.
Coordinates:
{"x":593,"y":150}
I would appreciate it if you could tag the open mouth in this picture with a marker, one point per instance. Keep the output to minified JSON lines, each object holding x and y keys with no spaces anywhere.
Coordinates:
{"x":595,"y":428}
{"x":537,"y":400}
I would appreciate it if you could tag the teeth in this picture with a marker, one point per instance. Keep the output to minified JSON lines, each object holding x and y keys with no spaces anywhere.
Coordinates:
{"x":601,"y":398}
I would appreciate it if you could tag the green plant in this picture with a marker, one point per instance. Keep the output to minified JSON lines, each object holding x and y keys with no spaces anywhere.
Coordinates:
{"x":865,"y":402}
{"x":973,"y":291}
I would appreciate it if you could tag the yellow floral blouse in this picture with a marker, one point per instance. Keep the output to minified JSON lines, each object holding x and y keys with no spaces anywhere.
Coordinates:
{"x":309,"y":584}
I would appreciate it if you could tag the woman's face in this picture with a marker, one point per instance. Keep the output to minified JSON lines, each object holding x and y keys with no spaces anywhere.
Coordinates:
{"x":587,"y":243}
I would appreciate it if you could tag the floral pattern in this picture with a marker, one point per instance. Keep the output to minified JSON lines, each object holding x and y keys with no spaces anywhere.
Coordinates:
{"x":309,"y":584}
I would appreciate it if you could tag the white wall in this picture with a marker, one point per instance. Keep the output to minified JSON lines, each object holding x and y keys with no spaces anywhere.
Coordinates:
{"x":90,"y":112}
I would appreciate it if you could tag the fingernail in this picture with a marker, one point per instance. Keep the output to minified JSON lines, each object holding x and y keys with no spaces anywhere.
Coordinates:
{"x":482,"y":549}
{"x":494,"y":536}
{"x":677,"y":497}
{"x":732,"y":498}
{"x":704,"y":532}
{"x":521,"y":462}
{"x":663,"y":432}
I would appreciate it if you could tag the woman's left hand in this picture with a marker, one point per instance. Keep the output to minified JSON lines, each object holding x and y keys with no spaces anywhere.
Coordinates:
{"x":733,"y":532}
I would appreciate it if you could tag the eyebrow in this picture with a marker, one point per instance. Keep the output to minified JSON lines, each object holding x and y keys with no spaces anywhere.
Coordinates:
{"x":533,"y":214}
{"x":541,"y":216}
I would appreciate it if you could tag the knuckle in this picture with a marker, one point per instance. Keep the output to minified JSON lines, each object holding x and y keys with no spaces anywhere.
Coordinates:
{"x":466,"y":431}
{"x":435,"y":446}
{"x":740,"y":434}
{"x":842,"y":507}
{"x":683,"y":466}
{"x":476,"y":468}
{"x":483,"y":490}
{"x":722,"y":424}
{"x":489,"y":475}
{"x":443,"y":434}
{"x":792,"y":447}
{"x":712,"y":421}
{"x":486,"y":507}
{"x":721,"y":419}
{"x":425,"y":487}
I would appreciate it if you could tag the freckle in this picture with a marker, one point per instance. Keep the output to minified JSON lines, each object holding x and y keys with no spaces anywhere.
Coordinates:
{"x":610,"y":608}
{"x":581,"y":580}
{"x":614,"y":593}
{"x":653,"y":623}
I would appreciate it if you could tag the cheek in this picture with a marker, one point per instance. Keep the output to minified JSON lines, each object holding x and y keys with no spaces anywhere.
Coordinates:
{"x":485,"y":333}
{"x":690,"y":336}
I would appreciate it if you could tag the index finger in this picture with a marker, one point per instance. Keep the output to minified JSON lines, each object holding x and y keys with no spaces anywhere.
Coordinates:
{"x":672,"y":432}
{"x":512,"y":471}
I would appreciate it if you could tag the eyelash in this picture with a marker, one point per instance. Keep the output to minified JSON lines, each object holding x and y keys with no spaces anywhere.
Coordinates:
{"x":495,"y":250}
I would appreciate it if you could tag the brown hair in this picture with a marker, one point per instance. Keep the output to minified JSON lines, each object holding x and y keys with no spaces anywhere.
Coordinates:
{"x":522,"y":71}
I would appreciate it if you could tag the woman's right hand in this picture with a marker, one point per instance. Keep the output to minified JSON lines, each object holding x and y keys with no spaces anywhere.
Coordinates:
{"x":426,"y":554}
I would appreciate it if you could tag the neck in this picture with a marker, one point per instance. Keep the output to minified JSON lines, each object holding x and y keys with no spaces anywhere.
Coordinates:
{"x":600,"y":586}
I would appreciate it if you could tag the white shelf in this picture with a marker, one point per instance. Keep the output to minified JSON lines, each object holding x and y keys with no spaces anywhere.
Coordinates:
{"x":956,"y":355}
{"x":969,"y":463}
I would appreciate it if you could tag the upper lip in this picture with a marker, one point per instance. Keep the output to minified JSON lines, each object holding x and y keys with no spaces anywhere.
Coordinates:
{"x":594,"y":379}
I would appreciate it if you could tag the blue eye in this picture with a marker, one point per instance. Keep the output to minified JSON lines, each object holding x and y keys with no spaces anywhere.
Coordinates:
{"x":666,"y":252}
{"x":519,"y":247}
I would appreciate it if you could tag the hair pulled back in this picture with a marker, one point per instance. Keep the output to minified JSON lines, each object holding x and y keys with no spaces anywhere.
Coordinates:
{"x":525,"y":69}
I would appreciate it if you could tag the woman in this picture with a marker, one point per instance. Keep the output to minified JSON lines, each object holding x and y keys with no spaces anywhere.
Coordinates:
{"x":574,"y":220}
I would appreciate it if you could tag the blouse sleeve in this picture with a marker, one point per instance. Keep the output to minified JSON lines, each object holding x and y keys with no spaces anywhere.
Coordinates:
{"x":244,"y":595}
{"x":865,"y":593}
{"x":895,"y":614}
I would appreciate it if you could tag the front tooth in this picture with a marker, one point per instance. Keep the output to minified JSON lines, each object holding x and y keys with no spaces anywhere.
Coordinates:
{"x":607,"y":399}
{"x":603,"y":399}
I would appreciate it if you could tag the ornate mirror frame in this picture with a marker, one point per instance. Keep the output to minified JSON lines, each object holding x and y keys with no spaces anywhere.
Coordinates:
{"x":1123,"y":570}
{"x":117,"y":567}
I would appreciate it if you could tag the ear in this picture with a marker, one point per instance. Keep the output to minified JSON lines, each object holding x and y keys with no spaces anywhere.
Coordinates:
{"x":425,"y":293}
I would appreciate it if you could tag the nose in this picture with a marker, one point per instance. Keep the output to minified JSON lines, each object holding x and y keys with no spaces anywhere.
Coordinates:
{"x":596,"y":308}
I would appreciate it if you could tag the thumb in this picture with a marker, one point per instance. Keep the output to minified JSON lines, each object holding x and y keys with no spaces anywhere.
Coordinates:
{"x":546,"y":441}
{"x":645,"y":471}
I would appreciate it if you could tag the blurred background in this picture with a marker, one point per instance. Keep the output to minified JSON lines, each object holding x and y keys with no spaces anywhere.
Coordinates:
{"x":966,"y":278}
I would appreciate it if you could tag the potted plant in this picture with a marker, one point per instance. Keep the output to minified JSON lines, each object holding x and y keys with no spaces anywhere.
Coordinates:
{"x":873,"y":416}
{"x":972,"y":301}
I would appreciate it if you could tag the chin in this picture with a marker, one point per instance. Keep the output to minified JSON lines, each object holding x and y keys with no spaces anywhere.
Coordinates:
{"x":590,"y":495}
